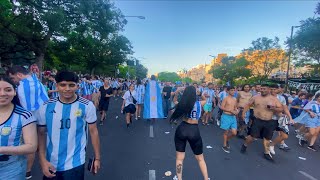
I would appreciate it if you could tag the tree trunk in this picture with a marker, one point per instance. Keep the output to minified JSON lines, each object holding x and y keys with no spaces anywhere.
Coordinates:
{"x":92,"y":70}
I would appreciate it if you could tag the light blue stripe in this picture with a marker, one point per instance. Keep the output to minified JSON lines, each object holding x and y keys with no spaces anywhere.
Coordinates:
{"x":76,"y":161}
{"x":49,"y":122}
{"x":5,"y":139}
{"x":159,"y":102}
{"x":26,"y":91}
{"x":198,"y":110}
{"x":18,"y":132}
{"x":146,"y":109}
{"x":63,"y":141}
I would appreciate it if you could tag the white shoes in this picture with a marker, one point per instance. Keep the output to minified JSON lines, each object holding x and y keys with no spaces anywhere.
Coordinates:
{"x":271,"y":149}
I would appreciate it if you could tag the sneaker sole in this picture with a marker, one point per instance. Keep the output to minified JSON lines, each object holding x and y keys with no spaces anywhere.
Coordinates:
{"x":29,"y":177}
{"x":225,"y":150}
{"x":312,"y":149}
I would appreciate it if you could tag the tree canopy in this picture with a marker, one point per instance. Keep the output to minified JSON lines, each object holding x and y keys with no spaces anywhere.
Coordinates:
{"x":63,"y":33}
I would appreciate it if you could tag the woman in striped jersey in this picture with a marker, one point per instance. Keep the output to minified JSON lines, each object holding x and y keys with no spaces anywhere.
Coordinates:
{"x":16,"y":123}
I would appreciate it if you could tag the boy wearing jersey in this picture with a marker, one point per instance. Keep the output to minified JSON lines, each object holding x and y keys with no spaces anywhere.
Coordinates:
{"x":209,"y":94}
{"x":228,"y":118}
{"x":63,"y":125}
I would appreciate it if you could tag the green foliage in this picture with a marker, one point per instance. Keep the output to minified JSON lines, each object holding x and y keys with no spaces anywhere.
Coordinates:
{"x":307,"y":41}
{"x":186,"y":80}
{"x":168,"y":77}
{"x":231,"y":68}
{"x":68,"y":34}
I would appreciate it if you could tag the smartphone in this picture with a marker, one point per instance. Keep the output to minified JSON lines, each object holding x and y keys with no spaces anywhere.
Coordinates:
{"x":91,"y":165}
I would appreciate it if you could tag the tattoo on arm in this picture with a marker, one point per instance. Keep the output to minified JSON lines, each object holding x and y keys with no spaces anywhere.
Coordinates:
{"x":179,"y":168}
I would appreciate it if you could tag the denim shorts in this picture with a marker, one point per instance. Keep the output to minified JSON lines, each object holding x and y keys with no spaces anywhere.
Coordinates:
{"x":13,"y":169}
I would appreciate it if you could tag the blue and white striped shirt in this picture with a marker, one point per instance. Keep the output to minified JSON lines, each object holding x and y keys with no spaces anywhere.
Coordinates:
{"x":96,"y":85}
{"x":211,"y":94}
{"x":196,"y":111}
{"x":54,"y":87}
{"x":85,"y":88}
{"x":67,"y":126}
{"x":31,"y":93}
{"x":11,"y":129}
{"x":223,"y":95}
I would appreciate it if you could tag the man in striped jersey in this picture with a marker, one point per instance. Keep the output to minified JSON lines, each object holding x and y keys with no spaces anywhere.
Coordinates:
{"x":64,"y":122}
{"x":31,"y":94}
{"x":96,"y":83}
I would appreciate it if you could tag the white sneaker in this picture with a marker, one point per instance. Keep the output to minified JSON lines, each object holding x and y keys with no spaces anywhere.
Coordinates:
{"x":218,"y":122}
{"x":271,"y":149}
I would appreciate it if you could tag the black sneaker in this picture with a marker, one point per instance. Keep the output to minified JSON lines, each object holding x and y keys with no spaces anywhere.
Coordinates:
{"x":312,"y":148}
{"x":225,"y":149}
{"x":128,"y":125}
{"x":243,"y":149}
{"x":302,"y":142}
{"x":28,"y":175}
{"x":268,"y":157}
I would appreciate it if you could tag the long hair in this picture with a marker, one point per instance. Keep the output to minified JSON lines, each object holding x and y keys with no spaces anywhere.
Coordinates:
{"x":186,"y":103}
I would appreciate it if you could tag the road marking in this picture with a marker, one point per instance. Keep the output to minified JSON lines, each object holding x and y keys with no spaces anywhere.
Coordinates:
{"x":308,"y":175}
{"x":152,"y":175}
{"x":151,"y":131}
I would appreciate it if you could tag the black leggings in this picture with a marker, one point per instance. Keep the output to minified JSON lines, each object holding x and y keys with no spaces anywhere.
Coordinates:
{"x":188,"y":132}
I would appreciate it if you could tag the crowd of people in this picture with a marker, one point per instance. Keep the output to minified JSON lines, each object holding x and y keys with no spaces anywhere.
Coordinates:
{"x":64,"y":106}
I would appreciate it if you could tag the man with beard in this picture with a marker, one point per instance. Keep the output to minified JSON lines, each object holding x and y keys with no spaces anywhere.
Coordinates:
{"x":265,"y":106}
{"x":243,"y":99}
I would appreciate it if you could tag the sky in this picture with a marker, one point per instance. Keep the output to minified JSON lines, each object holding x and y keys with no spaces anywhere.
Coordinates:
{"x":181,"y":34}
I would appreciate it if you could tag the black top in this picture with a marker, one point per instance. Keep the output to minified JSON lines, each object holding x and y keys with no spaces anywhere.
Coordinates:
{"x":104,"y":92}
{"x":168,"y":90}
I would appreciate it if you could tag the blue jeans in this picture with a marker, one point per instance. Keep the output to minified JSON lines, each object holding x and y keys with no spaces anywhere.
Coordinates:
{"x":166,"y":106}
{"x":13,"y":169}
{"x":76,"y":173}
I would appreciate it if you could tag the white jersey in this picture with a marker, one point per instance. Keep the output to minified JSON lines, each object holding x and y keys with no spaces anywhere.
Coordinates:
{"x":67,"y":131}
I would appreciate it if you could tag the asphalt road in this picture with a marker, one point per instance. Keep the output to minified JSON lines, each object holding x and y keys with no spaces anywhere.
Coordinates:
{"x":146,"y":151}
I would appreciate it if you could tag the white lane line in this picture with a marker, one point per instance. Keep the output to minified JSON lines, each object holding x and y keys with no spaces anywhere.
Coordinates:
{"x":151,"y":131}
{"x":308,"y":175}
{"x":152,"y":174}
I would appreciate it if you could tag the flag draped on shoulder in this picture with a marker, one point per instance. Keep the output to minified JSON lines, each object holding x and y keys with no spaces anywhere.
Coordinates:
{"x":153,"y":101}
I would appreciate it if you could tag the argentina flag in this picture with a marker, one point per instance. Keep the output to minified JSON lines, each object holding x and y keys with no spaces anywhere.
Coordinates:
{"x":153,"y":101}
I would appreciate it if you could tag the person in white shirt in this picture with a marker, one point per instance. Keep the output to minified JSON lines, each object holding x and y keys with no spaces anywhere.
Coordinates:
{"x":128,"y":106}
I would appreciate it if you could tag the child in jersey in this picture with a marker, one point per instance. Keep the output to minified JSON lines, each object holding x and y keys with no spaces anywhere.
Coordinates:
{"x":64,"y":122}
{"x":228,"y":118}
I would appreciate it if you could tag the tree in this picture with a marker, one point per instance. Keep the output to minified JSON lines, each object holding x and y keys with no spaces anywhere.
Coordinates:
{"x":264,"y":56}
{"x":169,"y":76}
{"x":88,"y":27}
{"x":306,"y":42}
{"x":231,"y":68}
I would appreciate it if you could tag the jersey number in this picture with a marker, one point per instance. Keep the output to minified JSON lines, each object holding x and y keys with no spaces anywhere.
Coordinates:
{"x":65,"y":123}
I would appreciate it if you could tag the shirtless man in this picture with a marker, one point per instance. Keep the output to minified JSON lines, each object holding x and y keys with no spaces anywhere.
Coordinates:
{"x":243,"y":99}
{"x":282,"y":128}
{"x":228,"y":118}
{"x":265,"y":106}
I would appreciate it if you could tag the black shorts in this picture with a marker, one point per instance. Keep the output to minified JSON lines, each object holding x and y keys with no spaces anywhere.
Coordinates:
{"x":188,"y":132}
{"x":131,"y":108}
{"x":263,"y":129}
{"x":103,"y":105}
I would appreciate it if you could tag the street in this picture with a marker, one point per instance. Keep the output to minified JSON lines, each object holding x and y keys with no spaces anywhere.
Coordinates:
{"x":146,"y":152}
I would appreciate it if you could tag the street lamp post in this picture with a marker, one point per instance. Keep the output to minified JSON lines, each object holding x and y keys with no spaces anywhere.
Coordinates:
{"x":289,"y":58}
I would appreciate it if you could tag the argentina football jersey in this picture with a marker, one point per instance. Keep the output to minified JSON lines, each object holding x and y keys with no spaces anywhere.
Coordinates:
{"x":11,"y":129}
{"x":67,"y":127}
{"x":31,"y":93}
